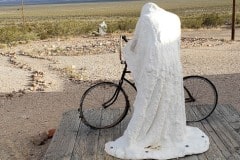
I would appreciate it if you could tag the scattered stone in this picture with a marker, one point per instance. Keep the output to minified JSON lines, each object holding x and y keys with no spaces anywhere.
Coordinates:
{"x":37,"y":82}
{"x":73,"y":67}
{"x":25,"y":117}
{"x":21,"y":52}
{"x":40,"y":139}
{"x":9,"y":95}
{"x":23,"y":91}
{"x":196,"y":42}
{"x":51,"y":133}
{"x":88,"y":45}
{"x":32,"y":88}
{"x":22,"y":42}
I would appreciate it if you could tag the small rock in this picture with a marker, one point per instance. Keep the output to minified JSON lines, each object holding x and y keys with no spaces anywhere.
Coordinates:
{"x":32,"y":88}
{"x":25,"y":117}
{"x":24,"y":91}
{"x":51,"y":133}
{"x":40,"y":139}
{"x":73,"y":66}
{"x":22,"y":42}
{"x":45,"y":85}
{"x":40,"y":89}
{"x":21,"y":52}
{"x":10,"y":95}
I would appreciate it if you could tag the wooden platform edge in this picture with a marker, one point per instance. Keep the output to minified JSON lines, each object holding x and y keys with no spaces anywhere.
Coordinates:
{"x":222,"y":128}
{"x":62,"y":144}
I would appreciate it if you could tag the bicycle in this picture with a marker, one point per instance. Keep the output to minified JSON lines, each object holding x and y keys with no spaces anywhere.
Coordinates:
{"x":108,"y":98}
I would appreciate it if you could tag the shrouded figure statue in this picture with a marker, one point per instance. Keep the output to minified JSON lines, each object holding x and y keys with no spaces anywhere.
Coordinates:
{"x":157,"y":129}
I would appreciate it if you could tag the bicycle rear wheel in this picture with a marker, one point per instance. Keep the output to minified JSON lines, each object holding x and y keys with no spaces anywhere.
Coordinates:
{"x":200,"y":98}
{"x":103,"y":105}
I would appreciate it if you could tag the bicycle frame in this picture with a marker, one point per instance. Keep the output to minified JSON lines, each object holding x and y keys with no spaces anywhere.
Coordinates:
{"x":190,"y":98}
{"x":120,"y":83}
{"x":187,"y":100}
{"x":119,"y":90}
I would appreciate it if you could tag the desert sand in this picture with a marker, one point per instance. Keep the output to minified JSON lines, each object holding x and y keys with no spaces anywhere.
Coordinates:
{"x":40,"y":80}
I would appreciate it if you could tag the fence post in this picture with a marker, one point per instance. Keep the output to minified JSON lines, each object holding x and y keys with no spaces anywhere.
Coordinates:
{"x":23,"y":18}
{"x":233,"y":20}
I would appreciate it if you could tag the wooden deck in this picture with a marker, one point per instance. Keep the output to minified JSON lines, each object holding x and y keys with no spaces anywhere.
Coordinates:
{"x":74,"y":141}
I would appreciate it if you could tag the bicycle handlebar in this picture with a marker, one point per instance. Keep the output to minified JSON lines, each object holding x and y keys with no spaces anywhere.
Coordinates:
{"x":124,"y":37}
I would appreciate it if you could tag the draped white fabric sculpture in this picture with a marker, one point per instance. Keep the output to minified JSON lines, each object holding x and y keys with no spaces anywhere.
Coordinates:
{"x":158,"y":128}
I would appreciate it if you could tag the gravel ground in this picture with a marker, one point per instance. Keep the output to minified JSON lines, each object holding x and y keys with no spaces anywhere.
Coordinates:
{"x":39,"y":73}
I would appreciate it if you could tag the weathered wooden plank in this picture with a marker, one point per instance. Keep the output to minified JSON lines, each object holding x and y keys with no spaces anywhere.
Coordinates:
{"x":199,"y":125}
{"x":191,"y":157}
{"x":104,"y":135}
{"x":234,"y":156}
{"x":214,"y":151}
{"x":62,"y":144}
{"x":225,"y":132}
{"x":86,"y":141}
{"x":231,"y":116}
{"x":215,"y":139}
{"x":229,"y":127}
{"x":89,"y":144}
{"x":232,"y":124}
{"x":190,"y":115}
{"x":117,"y":131}
{"x":107,"y":135}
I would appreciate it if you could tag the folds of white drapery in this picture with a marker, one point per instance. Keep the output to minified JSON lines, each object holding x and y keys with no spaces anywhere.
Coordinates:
{"x":157,"y":128}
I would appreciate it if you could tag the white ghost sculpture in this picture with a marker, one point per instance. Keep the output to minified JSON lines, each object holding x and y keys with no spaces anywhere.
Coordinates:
{"x":157,"y":129}
{"x":102,"y":29}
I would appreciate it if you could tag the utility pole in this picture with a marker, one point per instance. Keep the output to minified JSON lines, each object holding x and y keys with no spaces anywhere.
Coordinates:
{"x":233,"y":19}
{"x":23,"y":18}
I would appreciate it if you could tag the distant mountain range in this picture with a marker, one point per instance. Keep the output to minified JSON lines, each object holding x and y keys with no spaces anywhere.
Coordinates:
{"x":16,"y":2}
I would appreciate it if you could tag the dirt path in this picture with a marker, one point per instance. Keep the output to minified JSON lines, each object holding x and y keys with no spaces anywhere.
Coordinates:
{"x":48,"y":65}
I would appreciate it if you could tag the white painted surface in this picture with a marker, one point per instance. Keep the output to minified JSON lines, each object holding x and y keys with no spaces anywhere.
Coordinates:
{"x":158,"y":128}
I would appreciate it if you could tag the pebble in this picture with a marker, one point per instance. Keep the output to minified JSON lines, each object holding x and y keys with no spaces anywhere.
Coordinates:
{"x":40,"y":139}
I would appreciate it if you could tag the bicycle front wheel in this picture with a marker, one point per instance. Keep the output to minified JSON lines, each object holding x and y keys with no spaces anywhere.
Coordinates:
{"x":103,"y":105}
{"x":200,"y":98}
